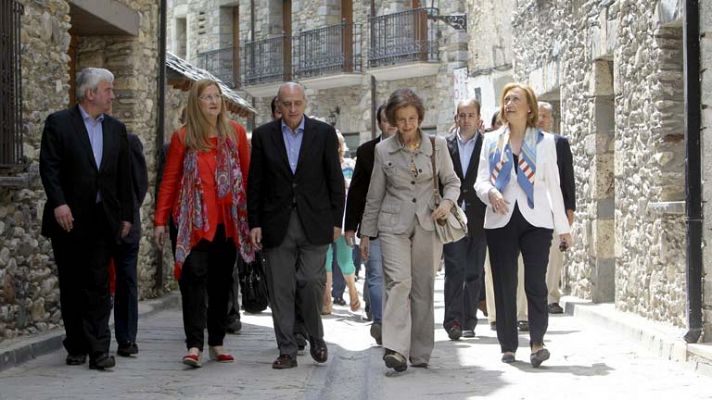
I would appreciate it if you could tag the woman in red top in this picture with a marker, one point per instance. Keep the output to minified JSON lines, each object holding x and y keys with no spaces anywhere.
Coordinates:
{"x":203,"y":188}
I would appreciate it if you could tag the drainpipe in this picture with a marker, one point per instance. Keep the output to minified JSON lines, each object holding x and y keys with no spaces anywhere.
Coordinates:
{"x":160,"y":125}
{"x":693,"y":169}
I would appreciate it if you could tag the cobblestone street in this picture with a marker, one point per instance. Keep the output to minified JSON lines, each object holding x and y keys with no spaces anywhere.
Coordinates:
{"x":588,"y":362}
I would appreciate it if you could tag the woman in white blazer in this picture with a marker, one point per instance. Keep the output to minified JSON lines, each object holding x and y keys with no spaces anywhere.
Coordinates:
{"x":518,"y":180}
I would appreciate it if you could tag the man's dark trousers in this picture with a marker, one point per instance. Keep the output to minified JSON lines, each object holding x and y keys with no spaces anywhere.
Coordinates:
{"x":126,"y":297}
{"x":464,"y":264}
{"x":82,"y":258}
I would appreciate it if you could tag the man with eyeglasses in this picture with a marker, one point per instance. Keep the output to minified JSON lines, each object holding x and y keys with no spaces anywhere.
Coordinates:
{"x":295,"y":201}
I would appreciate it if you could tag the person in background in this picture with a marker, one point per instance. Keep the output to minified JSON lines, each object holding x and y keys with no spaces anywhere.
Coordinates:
{"x":518,"y":180}
{"x":565,"y":163}
{"x":464,"y":259}
{"x":355,"y":203}
{"x":341,"y":248}
{"x":203,"y":187}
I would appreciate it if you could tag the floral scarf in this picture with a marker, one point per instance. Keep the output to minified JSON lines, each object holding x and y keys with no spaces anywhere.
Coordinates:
{"x":193,"y":212}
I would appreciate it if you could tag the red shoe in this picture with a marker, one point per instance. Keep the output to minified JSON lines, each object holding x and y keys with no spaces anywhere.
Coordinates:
{"x":192,"y":360}
{"x":222,"y":357}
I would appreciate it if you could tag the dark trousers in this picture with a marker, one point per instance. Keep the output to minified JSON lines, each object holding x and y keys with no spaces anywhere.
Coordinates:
{"x":233,"y":302}
{"x":126,"y":296}
{"x":505,"y":244}
{"x":82,"y":258}
{"x":338,"y":284}
{"x":464,"y":265}
{"x":295,"y":275}
{"x":205,"y":286}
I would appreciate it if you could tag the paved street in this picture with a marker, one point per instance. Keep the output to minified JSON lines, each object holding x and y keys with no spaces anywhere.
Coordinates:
{"x":587,"y":362}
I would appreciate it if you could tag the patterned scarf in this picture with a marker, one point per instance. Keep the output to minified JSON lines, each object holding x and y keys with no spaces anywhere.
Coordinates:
{"x":502,"y":160}
{"x":193,"y":212}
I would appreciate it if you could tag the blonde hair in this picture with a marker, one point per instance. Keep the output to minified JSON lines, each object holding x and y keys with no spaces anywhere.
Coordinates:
{"x":197,"y":126}
{"x":533,"y":116}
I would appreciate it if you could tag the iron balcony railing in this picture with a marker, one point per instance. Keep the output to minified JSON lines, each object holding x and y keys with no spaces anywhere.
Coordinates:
{"x":403,"y":37}
{"x":328,"y":50}
{"x":266,"y":60}
{"x":221,"y":63}
{"x":11,"y":156}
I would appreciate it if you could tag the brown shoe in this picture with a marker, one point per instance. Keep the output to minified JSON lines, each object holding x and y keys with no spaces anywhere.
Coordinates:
{"x":284,"y":361}
{"x":483,"y":307}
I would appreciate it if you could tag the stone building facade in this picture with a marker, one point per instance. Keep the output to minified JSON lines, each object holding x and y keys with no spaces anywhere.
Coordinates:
{"x":195,"y":28}
{"x":56,"y":42}
{"x":613,"y":71}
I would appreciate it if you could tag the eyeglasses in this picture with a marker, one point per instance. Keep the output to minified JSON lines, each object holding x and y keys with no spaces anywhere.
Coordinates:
{"x":210,"y":98}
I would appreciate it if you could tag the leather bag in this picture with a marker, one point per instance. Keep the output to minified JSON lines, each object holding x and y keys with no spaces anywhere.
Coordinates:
{"x":253,"y":285}
{"x":454,"y":226}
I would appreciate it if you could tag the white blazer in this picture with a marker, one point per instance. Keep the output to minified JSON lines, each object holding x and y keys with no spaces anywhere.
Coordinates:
{"x":548,"y":211}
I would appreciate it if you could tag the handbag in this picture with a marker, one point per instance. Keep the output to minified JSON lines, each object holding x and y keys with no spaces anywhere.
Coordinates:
{"x":253,"y":285}
{"x":453,"y":227}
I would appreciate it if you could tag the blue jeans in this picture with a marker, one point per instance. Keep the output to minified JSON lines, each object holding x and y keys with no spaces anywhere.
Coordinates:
{"x":374,"y":280}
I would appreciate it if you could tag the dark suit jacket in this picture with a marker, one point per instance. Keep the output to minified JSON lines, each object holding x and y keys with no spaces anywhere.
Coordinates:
{"x":70,"y":175}
{"x":356,"y":199}
{"x":139,"y":186}
{"x":565,"y":162}
{"x":474,"y":207}
{"x":316,"y":189}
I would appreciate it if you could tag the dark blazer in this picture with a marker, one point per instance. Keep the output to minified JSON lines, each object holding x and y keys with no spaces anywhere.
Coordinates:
{"x":356,"y":198}
{"x":565,"y":162}
{"x":139,"y":186}
{"x":70,"y":175}
{"x":316,"y":189}
{"x":474,"y":207}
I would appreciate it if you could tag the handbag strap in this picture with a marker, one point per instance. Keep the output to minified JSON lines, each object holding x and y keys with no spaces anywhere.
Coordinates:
{"x":436,"y":190}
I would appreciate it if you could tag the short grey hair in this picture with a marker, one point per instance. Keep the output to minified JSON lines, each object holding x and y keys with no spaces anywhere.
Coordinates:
{"x":547,"y":106}
{"x":291,"y":85}
{"x":89,"y":78}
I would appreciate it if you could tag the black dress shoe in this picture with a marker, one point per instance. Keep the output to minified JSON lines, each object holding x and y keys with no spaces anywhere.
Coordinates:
{"x":76,"y":359}
{"x":284,"y":361}
{"x":339,"y":301}
{"x":508,"y":357}
{"x":539,"y":357}
{"x":454,"y":332}
{"x":104,"y":361}
{"x":301,"y":342}
{"x":127,"y":349}
{"x":555,"y":308}
{"x":318,"y":350}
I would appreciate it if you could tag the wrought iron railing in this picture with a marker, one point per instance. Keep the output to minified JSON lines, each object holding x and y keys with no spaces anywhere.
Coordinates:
{"x":403,"y":37}
{"x":327,"y":50}
{"x":266,"y":60}
{"x":221,"y":63}
{"x":10,"y":86}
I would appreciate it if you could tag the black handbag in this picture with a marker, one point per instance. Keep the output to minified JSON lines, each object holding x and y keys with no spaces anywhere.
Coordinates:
{"x":253,"y":285}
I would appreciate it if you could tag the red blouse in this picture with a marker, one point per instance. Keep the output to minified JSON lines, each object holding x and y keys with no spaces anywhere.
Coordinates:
{"x":169,"y":191}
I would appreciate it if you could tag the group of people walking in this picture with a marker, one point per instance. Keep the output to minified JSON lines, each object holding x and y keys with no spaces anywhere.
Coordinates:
{"x":282,"y":197}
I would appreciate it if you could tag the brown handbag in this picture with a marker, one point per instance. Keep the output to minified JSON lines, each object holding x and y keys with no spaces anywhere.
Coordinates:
{"x":454,"y":226}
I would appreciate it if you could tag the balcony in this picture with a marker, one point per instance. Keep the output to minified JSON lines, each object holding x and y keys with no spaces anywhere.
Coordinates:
{"x":222,"y":64}
{"x":266,"y":63}
{"x":328,"y":57}
{"x":403,"y":45}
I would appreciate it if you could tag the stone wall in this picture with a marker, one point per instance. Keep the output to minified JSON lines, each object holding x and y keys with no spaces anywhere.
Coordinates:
{"x":29,"y":297}
{"x":623,"y":68}
{"x":706,"y":81}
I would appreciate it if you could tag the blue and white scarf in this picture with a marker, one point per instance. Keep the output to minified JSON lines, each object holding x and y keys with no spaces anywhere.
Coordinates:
{"x":501,"y":162}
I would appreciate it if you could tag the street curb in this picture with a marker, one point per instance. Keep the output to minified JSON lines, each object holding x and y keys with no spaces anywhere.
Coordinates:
{"x":27,"y":348}
{"x":662,"y":340}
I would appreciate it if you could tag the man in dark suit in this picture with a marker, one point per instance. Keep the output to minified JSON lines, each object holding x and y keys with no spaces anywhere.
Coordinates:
{"x":126,"y":258}
{"x":295,"y":201}
{"x":565,"y":162}
{"x":464,"y":259}
{"x":355,"y":203}
{"x":85,"y":171}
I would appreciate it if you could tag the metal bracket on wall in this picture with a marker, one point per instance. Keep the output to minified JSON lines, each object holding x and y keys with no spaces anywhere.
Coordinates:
{"x":457,"y":21}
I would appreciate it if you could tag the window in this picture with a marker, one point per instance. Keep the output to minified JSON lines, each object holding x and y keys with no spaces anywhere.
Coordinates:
{"x":10,"y":87}
{"x":352,"y":140}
